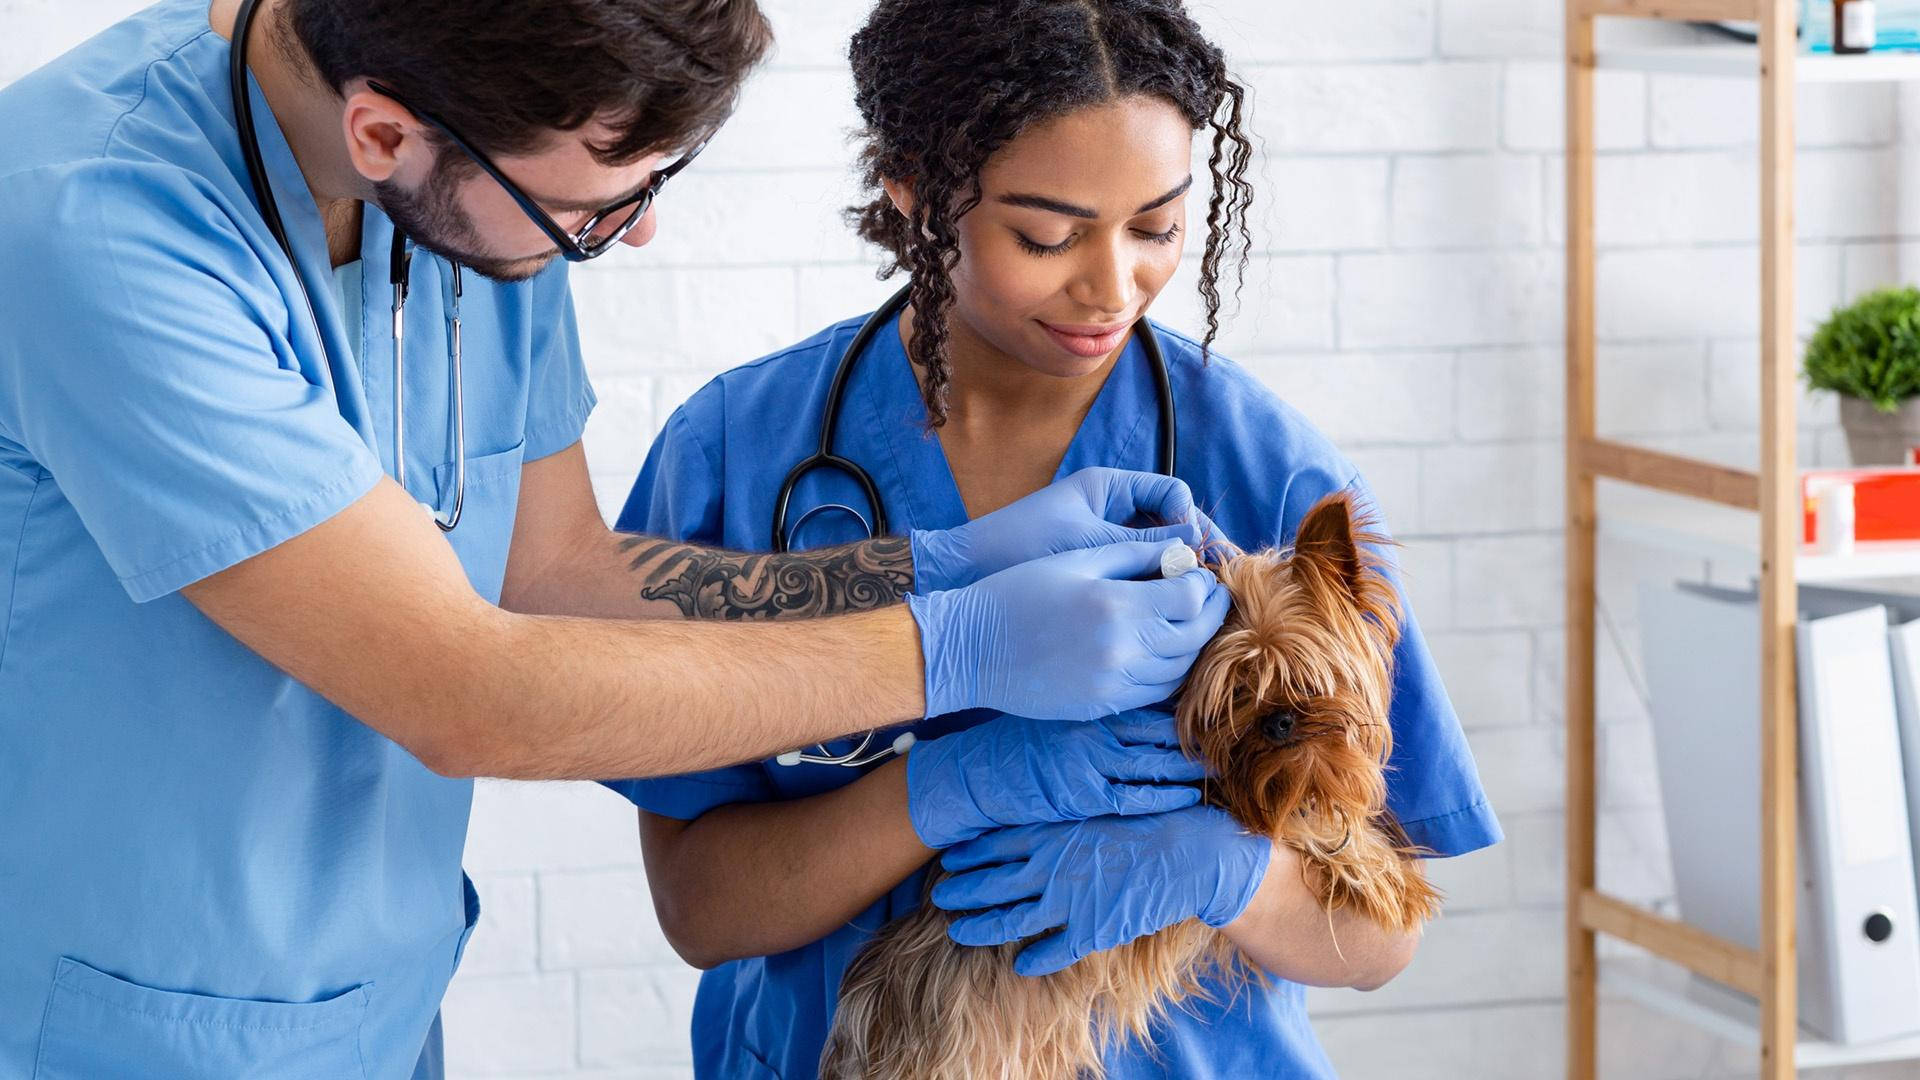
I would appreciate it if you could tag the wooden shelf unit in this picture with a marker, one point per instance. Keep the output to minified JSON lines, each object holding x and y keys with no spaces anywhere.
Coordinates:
{"x":1768,"y":972}
{"x":1749,"y":522}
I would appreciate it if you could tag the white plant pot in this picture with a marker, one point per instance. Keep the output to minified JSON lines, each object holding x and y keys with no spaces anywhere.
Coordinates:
{"x":1880,"y":438}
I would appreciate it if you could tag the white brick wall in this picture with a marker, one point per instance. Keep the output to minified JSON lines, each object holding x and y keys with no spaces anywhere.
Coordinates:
{"x":1407,"y":293}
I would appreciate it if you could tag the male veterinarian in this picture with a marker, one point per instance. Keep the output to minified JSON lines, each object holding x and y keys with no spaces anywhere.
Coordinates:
{"x":296,"y":534}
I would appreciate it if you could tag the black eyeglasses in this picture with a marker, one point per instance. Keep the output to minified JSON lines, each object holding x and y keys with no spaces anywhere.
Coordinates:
{"x":584,"y":242}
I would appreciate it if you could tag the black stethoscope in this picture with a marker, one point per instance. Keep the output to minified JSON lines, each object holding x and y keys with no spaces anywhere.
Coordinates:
{"x":399,"y":263}
{"x":825,"y":458}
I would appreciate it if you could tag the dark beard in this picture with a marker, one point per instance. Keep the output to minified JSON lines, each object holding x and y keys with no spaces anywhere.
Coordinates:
{"x":434,"y":221}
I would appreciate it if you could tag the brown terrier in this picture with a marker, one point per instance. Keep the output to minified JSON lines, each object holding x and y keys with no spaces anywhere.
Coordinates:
{"x":1288,"y":706}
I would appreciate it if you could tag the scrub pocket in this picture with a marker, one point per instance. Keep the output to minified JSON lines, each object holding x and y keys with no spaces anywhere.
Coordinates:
{"x":98,"y":1027}
{"x":486,"y":515}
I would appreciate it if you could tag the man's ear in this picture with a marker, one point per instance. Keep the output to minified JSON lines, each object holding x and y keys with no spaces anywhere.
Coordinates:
{"x":382,"y":136}
{"x":900,"y":193}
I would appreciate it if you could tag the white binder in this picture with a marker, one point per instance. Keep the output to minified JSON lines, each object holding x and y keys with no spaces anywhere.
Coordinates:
{"x":1905,"y":648}
{"x":1861,"y":851}
{"x":1901,"y":598}
{"x":1701,"y":649}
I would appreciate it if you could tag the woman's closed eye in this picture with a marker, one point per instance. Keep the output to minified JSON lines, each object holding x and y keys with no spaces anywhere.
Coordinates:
{"x":1164,"y":237}
{"x":1035,"y":247}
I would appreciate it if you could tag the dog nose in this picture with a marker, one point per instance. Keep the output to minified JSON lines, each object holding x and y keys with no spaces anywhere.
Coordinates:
{"x":1278,"y":725}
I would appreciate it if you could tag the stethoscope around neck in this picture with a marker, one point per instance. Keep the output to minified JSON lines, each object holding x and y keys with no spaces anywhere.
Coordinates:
{"x":824,"y":458}
{"x":399,"y":264}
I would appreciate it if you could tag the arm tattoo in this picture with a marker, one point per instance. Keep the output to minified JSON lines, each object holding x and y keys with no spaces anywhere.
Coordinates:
{"x":713,"y":584}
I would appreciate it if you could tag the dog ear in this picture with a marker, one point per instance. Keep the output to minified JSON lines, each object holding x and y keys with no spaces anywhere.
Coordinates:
{"x":1338,"y":539}
{"x":1327,"y":533}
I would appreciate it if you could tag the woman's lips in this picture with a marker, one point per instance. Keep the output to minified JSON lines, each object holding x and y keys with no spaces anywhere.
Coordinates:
{"x":1087,"y":341}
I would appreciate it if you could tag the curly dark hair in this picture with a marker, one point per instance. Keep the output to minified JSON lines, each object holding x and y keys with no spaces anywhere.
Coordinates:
{"x":943,"y":84}
{"x":505,"y":73}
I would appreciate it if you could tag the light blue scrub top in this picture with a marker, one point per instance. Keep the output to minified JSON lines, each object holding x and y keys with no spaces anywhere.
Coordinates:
{"x":206,"y":870}
{"x":1254,"y":463}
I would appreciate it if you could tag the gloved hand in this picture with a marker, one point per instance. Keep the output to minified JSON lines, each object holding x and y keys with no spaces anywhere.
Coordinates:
{"x":1017,"y":771}
{"x":1101,"y":882}
{"x":1067,"y":637}
{"x":1091,"y":508}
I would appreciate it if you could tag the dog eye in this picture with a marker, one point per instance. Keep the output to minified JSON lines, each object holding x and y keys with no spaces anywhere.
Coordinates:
{"x":1278,"y":725}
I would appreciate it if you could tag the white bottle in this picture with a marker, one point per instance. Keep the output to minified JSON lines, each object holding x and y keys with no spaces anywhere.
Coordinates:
{"x":1853,"y":26}
{"x":1833,"y":520}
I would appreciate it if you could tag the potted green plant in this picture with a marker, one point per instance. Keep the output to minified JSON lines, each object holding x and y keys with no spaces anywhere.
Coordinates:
{"x":1869,"y":353}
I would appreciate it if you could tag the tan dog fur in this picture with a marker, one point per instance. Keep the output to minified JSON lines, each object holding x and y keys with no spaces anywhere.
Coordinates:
{"x":1311,"y":633}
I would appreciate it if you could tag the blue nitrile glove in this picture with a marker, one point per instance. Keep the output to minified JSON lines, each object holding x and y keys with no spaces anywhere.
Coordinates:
{"x":1017,"y":771}
{"x":1101,"y":882}
{"x":1067,"y":637}
{"x":1091,"y":508}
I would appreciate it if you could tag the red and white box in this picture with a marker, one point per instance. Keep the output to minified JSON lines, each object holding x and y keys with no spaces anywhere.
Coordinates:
{"x":1886,"y":501}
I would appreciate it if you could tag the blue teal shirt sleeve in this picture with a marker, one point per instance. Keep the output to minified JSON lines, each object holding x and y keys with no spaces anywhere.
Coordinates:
{"x":678,"y":495}
{"x":147,"y":370}
{"x":561,"y":396}
{"x":1433,"y":787}
{"x":681,"y":487}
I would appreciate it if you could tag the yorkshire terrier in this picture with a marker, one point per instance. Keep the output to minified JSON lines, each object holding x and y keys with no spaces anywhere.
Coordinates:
{"x":1287,"y":705}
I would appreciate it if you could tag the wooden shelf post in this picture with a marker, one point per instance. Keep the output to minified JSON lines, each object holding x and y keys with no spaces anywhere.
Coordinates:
{"x":1780,"y":525}
{"x":1769,"y":971}
{"x":1582,"y":974}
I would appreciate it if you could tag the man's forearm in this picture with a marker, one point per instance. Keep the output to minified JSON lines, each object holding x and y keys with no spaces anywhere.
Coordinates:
{"x":614,"y":575}
{"x":1286,"y":931}
{"x":573,"y":698}
{"x":709,"y":583}
{"x":373,"y":610}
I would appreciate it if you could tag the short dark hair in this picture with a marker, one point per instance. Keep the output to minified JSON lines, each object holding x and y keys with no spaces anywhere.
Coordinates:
{"x":942,"y":84}
{"x":504,"y":73}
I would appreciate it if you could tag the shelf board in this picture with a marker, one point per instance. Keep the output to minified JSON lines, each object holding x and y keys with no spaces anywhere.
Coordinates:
{"x":1731,"y":1016}
{"x":1724,"y":535}
{"x":1743,"y":61}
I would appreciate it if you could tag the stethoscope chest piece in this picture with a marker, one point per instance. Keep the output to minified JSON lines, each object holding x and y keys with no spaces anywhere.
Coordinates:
{"x":859,"y":756}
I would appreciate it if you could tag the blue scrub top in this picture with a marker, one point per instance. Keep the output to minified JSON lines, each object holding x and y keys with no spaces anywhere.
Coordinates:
{"x":1254,"y":463}
{"x":206,"y":870}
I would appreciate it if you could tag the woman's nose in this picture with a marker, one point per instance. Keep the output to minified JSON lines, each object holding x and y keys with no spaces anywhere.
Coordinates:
{"x":1106,"y":281}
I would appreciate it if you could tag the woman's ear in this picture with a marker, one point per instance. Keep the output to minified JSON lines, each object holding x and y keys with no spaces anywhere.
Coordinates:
{"x":900,"y":193}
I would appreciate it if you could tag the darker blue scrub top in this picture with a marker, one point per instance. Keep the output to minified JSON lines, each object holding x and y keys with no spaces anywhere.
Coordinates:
{"x":1253,"y":462}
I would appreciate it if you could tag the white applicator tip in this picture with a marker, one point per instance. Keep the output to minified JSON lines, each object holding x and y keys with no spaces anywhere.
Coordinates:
{"x":1178,"y":559}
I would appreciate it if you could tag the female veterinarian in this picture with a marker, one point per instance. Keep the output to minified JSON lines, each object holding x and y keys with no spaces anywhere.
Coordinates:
{"x":244,"y":673}
{"x":1042,"y":150}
